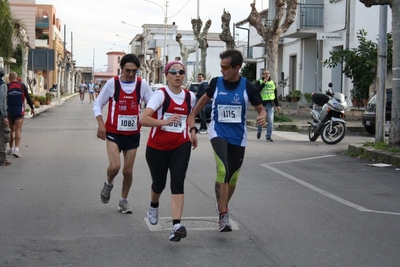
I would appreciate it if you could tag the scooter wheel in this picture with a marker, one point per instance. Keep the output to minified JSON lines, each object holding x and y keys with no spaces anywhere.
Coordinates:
{"x":335,"y":134}
{"x":312,"y":135}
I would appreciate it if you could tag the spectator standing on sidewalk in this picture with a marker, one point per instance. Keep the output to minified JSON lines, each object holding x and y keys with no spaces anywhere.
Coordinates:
{"x":202,"y":89}
{"x":121,"y":130}
{"x":17,"y":92}
{"x":231,"y":95}
{"x":4,"y":129}
{"x":268,"y":91}
{"x":169,"y":144}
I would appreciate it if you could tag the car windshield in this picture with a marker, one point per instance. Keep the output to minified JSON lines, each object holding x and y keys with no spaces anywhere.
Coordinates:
{"x":194,"y":87}
{"x":371,"y":106}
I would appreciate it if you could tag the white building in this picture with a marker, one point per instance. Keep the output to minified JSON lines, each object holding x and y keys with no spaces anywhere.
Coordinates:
{"x":303,"y":47}
{"x":152,"y":39}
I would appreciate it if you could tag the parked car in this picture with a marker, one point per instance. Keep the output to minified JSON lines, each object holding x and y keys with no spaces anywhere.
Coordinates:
{"x":194,"y":87}
{"x":53,"y":88}
{"x":369,"y":116}
{"x":156,"y":86}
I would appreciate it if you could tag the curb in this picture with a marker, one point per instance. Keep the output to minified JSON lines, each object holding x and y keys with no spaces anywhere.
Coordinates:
{"x":293,"y":127}
{"x":53,"y":104}
{"x":376,"y":155}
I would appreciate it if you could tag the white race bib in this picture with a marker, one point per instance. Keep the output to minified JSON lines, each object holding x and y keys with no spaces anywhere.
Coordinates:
{"x":230,"y":113}
{"x":127,"y":123}
{"x":174,"y":127}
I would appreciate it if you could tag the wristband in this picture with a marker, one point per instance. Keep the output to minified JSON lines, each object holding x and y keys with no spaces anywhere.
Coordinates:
{"x":194,"y":128}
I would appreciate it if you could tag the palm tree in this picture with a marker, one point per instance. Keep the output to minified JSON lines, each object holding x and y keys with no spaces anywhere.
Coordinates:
{"x":10,"y":28}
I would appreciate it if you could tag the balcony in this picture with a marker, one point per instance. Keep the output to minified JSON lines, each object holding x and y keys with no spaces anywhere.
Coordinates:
{"x":41,"y":43}
{"x":309,"y":21}
{"x":42,"y":23}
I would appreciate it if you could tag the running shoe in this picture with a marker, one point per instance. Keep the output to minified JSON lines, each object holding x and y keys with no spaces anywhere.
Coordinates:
{"x":203,"y":131}
{"x":152,"y":215}
{"x":268,"y":139}
{"x":106,"y":193}
{"x":227,"y":211}
{"x":258,"y":135}
{"x":10,"y":152}
{"x":224,"y":225}
{"x":5,"y":163}
{"x":177,"y":232}
{"x":17,"y":154}
{"x":124,"y":206}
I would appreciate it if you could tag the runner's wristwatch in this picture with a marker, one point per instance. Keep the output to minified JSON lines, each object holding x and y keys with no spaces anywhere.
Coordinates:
{"x":194,"y":128}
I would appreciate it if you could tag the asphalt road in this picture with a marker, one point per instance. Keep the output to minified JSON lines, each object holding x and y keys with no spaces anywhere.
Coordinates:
{"x":297,"y":203}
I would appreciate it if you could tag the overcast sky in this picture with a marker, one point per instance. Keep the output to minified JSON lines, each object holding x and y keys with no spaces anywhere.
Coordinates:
{"x":95,"y":23}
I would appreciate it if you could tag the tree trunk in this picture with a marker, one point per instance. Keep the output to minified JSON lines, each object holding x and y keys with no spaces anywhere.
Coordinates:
{"x":271,"y":34}
{"x":184,"y":52}
{"x":202,"y":40}
{"x":226,"y":35}
{"x":394,"y":135}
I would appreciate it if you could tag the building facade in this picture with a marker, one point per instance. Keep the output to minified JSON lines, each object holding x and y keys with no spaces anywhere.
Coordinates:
{"x":43,"y":30}
{"x":321,"y":26}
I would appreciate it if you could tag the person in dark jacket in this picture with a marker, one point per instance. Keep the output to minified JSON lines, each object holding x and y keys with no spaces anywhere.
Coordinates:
{"x":17,"y":92}
{"x":202,"y":89}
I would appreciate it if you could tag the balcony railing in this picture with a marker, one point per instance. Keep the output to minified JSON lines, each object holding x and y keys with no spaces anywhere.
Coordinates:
{"x":42,"y":22}
{"x":311,"y":15}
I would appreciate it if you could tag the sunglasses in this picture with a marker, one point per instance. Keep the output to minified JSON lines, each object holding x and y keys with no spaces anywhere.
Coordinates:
{"x":174,"y":72}
{"x":130,"y":70}
{"x":226,"y":67}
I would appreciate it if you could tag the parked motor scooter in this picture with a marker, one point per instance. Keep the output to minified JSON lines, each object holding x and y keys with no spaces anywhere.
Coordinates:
{"x":53,"y":88}
{"x":327,"y":117}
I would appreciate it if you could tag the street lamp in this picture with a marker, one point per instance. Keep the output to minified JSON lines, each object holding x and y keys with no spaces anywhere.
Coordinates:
{"x":119,"y":46}
{"x":165,"y":32}
{"x":120,"y":36}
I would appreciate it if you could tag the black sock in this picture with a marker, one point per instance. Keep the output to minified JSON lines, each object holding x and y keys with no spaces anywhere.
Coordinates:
{"x":176,"y":221}
{"x":154,"y":205}
{"x":222,"y":214}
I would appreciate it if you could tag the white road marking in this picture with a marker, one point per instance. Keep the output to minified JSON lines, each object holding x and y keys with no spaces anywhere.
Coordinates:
{"x":323,"y":192}
{"x":291,"y":135}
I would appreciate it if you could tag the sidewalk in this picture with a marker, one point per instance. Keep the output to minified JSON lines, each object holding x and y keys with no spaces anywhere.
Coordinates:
{"x":56,"y":101}
{"x":299,"y":123}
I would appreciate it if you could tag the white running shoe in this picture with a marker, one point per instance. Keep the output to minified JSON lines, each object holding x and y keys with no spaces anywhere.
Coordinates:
{"x":177,"y":232}
{"x":152,"y":215}
{"x":124,"y":207}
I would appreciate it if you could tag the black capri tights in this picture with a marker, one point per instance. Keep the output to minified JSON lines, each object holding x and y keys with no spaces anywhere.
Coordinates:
{"x":229,"y":159}
{"x":176,"y":161}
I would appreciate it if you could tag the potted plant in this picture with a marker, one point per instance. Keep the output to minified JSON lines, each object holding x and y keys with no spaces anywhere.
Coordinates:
{"x":42,"y":100}
{"x":355,"y":96}
{"x":49,"y":97}
{"x":295,"y":95}
{"x":307,"y":97}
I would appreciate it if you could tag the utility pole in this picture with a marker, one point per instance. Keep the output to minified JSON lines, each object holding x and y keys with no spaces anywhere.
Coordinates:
{"x":65,"y":63}
{"x":197,"y":46}
{"x":165,"y":42}
{"x":382,"y":69}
